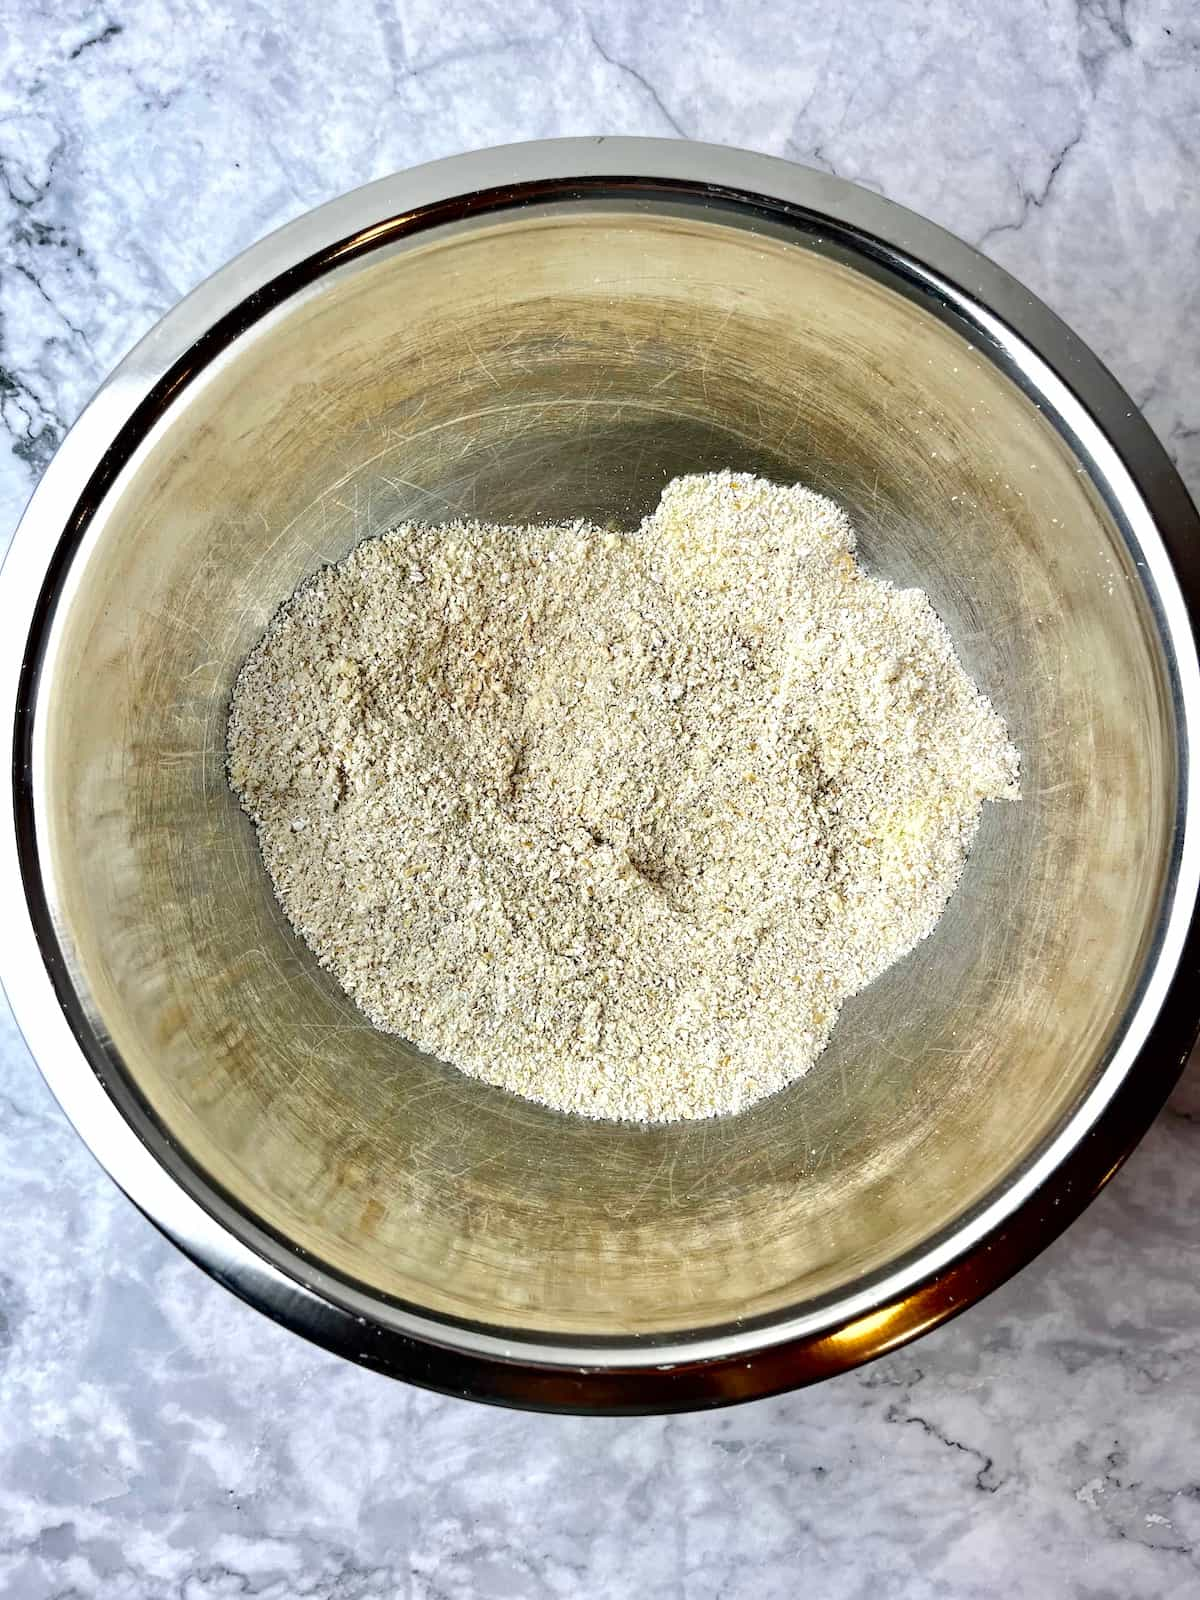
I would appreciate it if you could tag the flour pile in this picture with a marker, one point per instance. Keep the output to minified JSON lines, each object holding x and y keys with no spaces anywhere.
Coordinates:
{"x":616,"y":821}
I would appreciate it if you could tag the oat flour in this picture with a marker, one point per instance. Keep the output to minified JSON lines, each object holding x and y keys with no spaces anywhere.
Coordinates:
{"x":616,"y":821}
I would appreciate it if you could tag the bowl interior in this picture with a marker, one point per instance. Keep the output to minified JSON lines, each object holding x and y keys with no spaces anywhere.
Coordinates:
{"x":559,"y":362}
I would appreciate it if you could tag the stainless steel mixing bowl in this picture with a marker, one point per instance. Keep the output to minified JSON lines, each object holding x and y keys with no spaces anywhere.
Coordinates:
{"x":555,"y":331}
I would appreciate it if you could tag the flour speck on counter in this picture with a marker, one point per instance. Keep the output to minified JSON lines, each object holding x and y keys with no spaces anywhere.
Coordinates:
{"x":615,"y":821}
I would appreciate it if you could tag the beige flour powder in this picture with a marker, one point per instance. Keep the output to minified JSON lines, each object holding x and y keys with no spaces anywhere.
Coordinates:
{"x":616,"y":821}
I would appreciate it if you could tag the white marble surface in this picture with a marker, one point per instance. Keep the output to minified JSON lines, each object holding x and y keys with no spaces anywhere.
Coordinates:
{"x":159,"y":1439}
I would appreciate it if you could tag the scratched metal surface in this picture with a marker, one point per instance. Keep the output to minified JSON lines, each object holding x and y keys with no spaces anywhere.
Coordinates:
{"x":540,"y":368}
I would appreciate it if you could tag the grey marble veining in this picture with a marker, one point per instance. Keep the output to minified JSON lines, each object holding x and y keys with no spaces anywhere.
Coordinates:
{"x":159,"y":1439}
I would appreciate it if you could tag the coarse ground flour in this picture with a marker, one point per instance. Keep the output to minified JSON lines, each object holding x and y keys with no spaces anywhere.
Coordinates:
{"x":616,"y":821}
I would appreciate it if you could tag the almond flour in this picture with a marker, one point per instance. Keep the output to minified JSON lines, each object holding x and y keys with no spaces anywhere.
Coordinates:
{"x":615,"y":821}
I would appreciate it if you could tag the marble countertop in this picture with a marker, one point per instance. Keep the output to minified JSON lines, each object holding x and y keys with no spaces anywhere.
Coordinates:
{"x":157,"y":1438}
